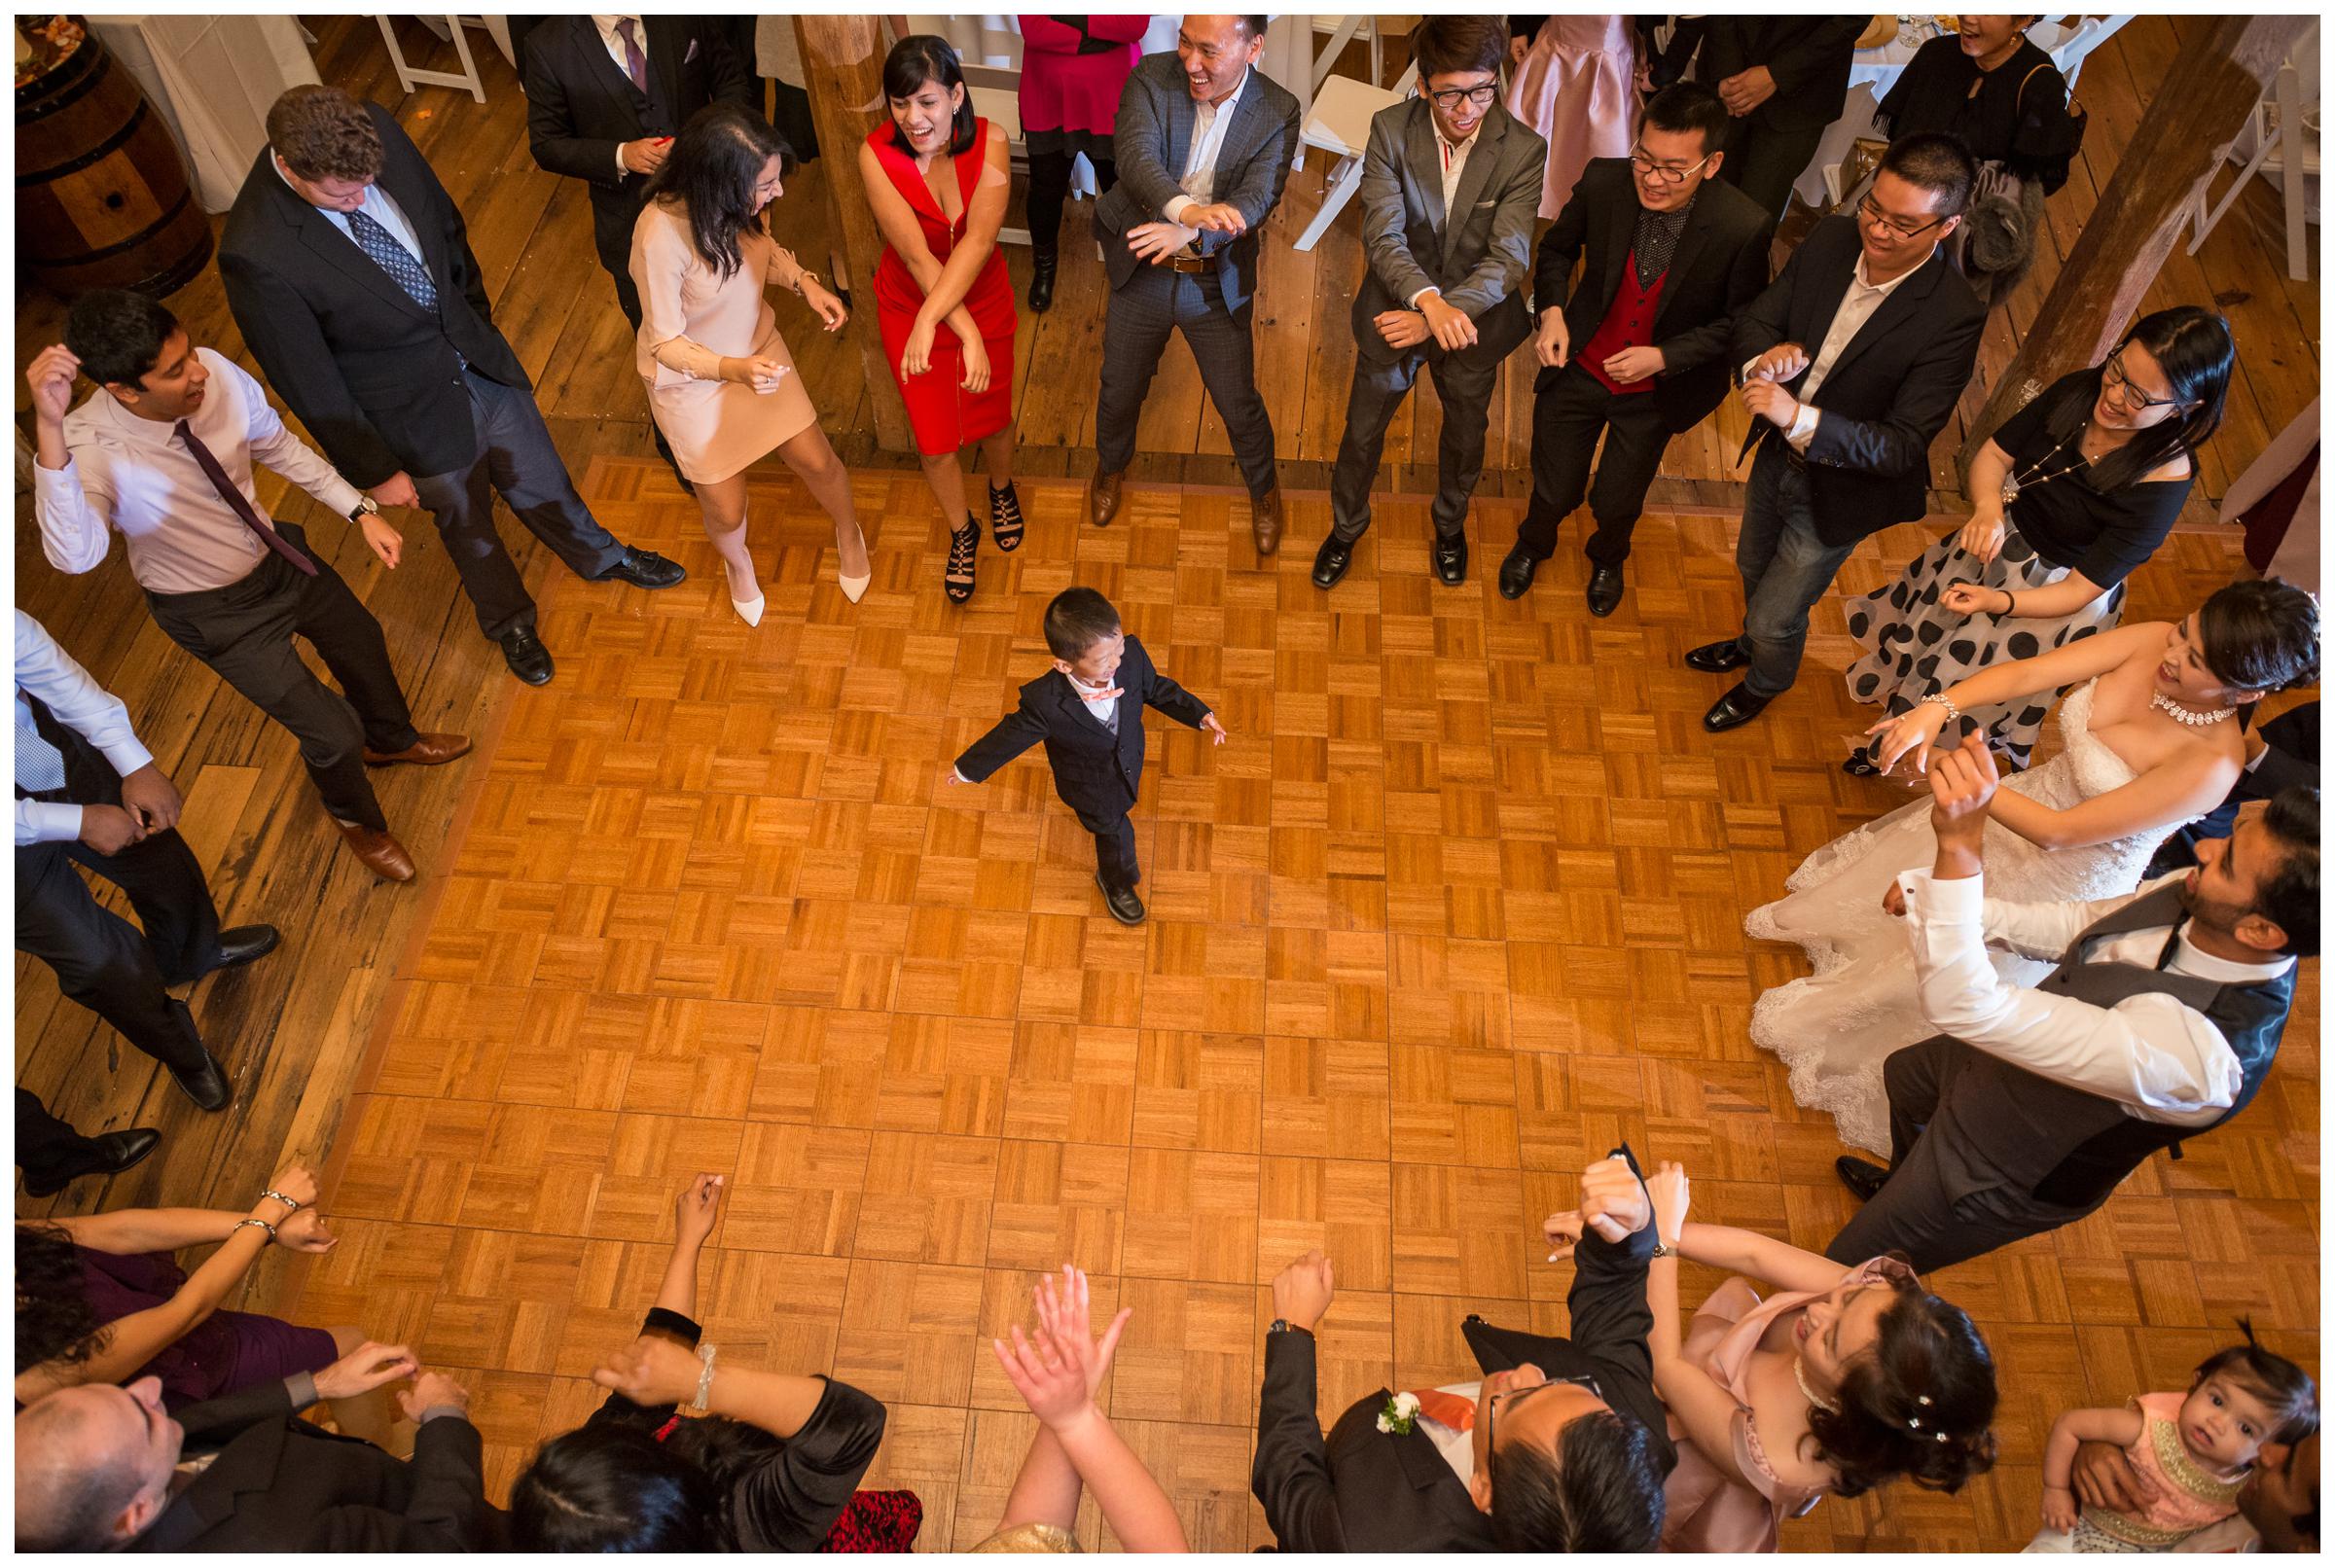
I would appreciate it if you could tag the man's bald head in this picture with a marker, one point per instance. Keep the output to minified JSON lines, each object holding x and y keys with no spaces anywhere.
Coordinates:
{"x":94,"y":1466}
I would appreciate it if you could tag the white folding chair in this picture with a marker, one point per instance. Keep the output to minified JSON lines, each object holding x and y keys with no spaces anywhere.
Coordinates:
{"x":2071,"y":40}
{"x":1340,"y":124}
{"x":2279,"y":142}
{"x":448,"y":29}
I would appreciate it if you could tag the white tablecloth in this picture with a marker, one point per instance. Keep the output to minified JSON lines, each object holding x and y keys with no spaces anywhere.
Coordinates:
{"x":213,"y":79}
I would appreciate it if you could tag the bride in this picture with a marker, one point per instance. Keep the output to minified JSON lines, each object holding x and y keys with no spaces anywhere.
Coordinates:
{"x":2149,"y":743}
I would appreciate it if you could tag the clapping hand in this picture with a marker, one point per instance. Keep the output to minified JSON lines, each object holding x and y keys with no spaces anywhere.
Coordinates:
{"x":1059,"y":1369}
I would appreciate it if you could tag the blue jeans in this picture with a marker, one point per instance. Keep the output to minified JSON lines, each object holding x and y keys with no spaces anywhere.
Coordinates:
{"x":1786,"y":569}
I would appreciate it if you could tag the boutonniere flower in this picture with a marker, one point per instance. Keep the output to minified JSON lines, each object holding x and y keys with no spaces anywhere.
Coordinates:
{"x":1401,"y":1410}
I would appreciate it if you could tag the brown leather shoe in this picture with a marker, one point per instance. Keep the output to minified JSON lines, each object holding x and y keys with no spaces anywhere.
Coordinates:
{"x":427,"y":751}
{"x":1265,"y":520}
{"x":381,"y":853}
{"x":1102,"y":498}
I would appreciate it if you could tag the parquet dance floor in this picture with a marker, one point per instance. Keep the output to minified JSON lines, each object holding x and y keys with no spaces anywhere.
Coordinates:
{"x":1459,"y":909}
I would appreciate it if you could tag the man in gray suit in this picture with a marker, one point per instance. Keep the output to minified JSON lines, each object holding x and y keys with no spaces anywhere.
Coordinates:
{"x":1451,"y":187}
{"x":1202,"y":142}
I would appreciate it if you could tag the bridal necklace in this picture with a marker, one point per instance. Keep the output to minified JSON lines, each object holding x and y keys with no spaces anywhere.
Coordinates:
{"x":2195,"y":717}
{"x":1799,"y":1377}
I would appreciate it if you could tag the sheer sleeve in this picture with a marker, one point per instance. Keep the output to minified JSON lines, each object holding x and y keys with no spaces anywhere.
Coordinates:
{"x":782,"y":268}
{"x":660,"y":260}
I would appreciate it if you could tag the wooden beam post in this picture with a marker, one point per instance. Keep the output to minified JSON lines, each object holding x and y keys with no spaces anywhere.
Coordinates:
{"x":2198,"y":111}
{"x":843,"y":71}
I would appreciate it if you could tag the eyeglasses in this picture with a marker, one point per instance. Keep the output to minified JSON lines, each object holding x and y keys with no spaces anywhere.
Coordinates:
{"x":1663,"y":173}
{"x":1481,"y":98}
{"x":1492,"y":1405}
{"x":2135,"y":399}
{"x":1895,"y":225}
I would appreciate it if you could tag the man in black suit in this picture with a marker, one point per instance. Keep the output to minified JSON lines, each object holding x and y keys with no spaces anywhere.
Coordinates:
{"x":1088,"y":712}
{"x":1852,"y":362}
{"x":1639,"y":351}
{"x":2279,"y":756}
{"x":606,"y":95}
{"x":1561,"y":1446}
{"x":1784,"y":79}
{"x":97,"y":1469}
{"x":350,"y":273}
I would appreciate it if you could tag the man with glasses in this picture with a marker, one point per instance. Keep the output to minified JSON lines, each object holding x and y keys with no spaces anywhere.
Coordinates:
{"x":1451,"y":187}
{"x":1639,"y":351}
{"x":1852,"y":361}
{"x":1558,"y":1446}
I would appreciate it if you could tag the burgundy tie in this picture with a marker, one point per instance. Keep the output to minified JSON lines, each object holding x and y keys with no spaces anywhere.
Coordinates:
{"x":636,"y":64}
{"x":234,"y":497}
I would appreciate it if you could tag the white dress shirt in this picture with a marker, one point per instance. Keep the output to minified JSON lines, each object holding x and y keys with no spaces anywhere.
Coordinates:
{"x":1454,"y":163}
{"x":1104,"y":709}
{"x":2151,"y":1053}
{"x":613,"y":42}
{"x":1211,"y":122}
{"x":379,"y":206}
{"x":135,"y":475}
{"x":1857,"y":304}
{"x":80,"y":704}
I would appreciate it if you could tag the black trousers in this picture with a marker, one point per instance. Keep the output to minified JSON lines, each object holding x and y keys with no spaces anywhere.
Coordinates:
{"x":1763,"y":163}
{"x":244,"y":632}
{"x":101,"y":960}
{"x":1050,"y":189}
{"x":1566,"y":421}
{"x":1114,"y":849}
{"x":1463,"y":382}
{"x":48,"y":1150}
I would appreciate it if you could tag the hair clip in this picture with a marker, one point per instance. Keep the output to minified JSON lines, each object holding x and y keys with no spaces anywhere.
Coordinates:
{"x":1921,"y":1400}
{"x":1913,"y":1423}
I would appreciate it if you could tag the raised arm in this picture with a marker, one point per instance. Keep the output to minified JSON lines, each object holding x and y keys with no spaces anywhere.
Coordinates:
{"x":1695,"y":1399}
{"x":2183,"y":790}
{"x":2072,"y":663}
{"x":1759,"y":1257}
{"x":1290,"y":1475}
{"x":694,"y":1212}
{"x":73,"y":509}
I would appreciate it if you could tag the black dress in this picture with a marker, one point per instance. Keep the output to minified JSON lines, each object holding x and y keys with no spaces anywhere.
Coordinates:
{"x":1914,"y":646}
{"x":2014,"y":115}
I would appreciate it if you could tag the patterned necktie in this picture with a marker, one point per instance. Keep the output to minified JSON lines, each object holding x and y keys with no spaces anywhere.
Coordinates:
{"x":234,"y":497}
{"x":39,"y":766}
{"x":1656,"y":242}
{"x":636,"y":64}
{"x":395,"y":259}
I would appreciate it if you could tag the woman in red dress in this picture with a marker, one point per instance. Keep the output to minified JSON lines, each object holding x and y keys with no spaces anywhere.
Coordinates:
{"x":937,"y":178}
{"x":1073,"y":69}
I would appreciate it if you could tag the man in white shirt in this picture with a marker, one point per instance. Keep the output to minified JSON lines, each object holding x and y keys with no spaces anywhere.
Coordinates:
{"x":2162,"y":1019}
{"x":88,"y":793}
{"x":163,"y":454}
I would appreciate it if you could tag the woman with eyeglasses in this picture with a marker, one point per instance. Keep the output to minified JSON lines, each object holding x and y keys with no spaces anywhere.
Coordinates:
{"x":1572,"y":81}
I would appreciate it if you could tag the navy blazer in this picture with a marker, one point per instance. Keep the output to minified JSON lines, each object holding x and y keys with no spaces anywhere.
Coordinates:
{"x":1095,"y":772}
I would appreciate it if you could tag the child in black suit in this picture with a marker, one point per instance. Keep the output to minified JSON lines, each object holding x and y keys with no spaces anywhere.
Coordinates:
{"x":1088,"y":711}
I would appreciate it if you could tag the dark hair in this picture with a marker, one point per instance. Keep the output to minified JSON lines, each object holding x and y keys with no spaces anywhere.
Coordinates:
{"x":715,"y":163}
{"x":2285,"y":1388}
{"x":2260,"y":636}
{"x":919,"y":58}
{"x":322,"y":133}
{"x":1685,"y":106}
{"x":1254,"y":26}
{"x":612,"y":1487}
{"x":1600,"y":1491}
{"x":2194,"y":349}
{"x":117,"y":336}
{"x":1921,"y":1406}
{"x":1938,"y":163}
{"x":2288,"y":897}
{"x":1445,"y":44}
{"x":54,"y":1320}
{"x":1076,"y":621}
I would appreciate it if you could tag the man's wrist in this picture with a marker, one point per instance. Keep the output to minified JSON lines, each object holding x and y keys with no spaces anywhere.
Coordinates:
{"x":460,"y":1413}
{"x":1295,"y":1324}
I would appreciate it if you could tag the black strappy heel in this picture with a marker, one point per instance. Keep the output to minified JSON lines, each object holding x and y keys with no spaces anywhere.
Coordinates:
{"x":958,"y":579}
{"x":1005,"y":518}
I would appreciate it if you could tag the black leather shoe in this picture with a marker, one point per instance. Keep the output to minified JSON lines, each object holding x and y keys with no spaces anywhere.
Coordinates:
{"x":529,"y":660}
{"x":1861,"y":1176}
{"x":1451,"y":559}
{"x":110,"y":1154}
{"x":1125,"y":906}
{"x":1717,"y":658}
{"x":1516,"y":573}
{"x":1042,"y":266}
{"x":1604,"y":591}
{"x":1738,"y":707}
{"x":207,"y":1086}
{"x":643,"y":568}
{"x":1331,"y":561}
{"x":240,"y":945}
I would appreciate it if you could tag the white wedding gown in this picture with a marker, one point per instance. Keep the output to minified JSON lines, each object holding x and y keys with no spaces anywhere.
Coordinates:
{"x":1835,"y":1027}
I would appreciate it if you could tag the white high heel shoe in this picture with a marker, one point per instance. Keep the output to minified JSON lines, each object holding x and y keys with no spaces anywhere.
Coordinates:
{"x":749,"y":610}
{"x":854,"y":587}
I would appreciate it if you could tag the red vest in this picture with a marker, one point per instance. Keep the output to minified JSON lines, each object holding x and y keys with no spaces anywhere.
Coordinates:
{"x":1628,"y":324}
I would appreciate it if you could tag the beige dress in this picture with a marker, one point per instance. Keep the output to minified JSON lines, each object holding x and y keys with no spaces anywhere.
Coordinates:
{"x":691,"y":319}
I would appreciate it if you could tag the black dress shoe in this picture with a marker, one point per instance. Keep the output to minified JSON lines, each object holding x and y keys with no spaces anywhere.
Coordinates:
{"x":1125,"y":906}
{"x":1451,"y":559}
{"x":1516,"y":573}
{"x":643,"y":568}
{"x":1331,"y":561}
{"x":1717,"y":658}
{"x":1738,"y":707}
{"x":529,"y":660}
{"x":207,"y":1086}
{"x":1861,"y":1176}
{"x":109,"y":1154}
{"x":1604,"y":591}
{"x":240,"y":945}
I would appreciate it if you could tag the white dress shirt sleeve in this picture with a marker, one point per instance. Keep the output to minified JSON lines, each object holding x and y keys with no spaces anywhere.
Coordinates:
{"x":78,"y":703}
{"x":2149,"y":1052}
{"x":280,"y":449}
{"x":2047,"y":931}
{"x":75,"y":513}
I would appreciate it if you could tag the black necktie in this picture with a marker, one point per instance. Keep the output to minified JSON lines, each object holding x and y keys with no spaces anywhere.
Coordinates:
{"x":234,"y":497}
{"x":2173,"y":944}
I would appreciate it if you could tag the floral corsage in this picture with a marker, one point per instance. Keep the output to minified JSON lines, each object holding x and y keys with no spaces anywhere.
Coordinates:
{"x":1402,"y":1410}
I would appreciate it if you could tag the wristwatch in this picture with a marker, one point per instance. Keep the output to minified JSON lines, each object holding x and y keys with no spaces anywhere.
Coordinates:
{"x":1661,"y":1249}
{"x":1284,"y":1326}
{"x":366,"y":507}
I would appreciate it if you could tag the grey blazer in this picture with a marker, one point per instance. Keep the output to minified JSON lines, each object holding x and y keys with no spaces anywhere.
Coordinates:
{"x":1479,"y":256}
{"x":1150,"y":141}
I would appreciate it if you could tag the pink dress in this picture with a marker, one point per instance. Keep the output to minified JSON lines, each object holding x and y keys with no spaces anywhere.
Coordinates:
{"x":2188,"y":1499}
{"x":1576,"y":87}
{"x":1707,"y":1508}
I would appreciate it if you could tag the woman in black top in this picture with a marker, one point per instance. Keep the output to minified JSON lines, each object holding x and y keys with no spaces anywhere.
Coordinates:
{"x":2068,"y":496}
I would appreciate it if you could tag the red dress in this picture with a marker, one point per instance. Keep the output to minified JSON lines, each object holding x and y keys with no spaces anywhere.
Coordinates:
{"x":943,"y":416}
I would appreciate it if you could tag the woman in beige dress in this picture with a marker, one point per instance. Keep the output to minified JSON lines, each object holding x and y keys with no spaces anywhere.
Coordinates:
{"x":722,"y":386}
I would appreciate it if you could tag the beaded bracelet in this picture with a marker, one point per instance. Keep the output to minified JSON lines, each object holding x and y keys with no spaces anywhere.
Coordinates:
{"x":255,"y":1220}
{"x":705,"y":1378}
{"x":1954,"y":714}
{"x":292,"y":1204}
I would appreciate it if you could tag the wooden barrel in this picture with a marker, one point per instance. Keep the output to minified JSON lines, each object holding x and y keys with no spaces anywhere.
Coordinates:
{"x":102,"y":197}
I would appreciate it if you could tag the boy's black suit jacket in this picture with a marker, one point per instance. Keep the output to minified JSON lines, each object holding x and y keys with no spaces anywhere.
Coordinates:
{"x":1095,"y":772}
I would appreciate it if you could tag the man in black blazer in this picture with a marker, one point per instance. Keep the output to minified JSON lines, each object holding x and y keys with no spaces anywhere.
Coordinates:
{"x":605,"y":97}
{"x":350,"y":273}
{"x":97,"y":1469}
{"x":1088,"y":712}
{"x":1561,"y":1445}
{"x":2279,"y":756}
{"x":1784,"y":79}
{"x":1202,"y":143}
{"x":1639,"y":351}
{"x":1852,"y":362}
{"x":1450,"y":189}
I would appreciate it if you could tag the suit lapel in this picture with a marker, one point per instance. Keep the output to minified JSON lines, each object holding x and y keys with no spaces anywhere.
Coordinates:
{"x":1474,"y":175}
{"x":1425,"y":158}
{"x":324,"y":237}
{"x":1691,"y":240}
{"x":1077,"y":707}
{"x":1181,"y":119}
{"x":414,"y":202}
{"x":1890,"y":315}
{"x":601,"y":65}
{"x":666,"y":60}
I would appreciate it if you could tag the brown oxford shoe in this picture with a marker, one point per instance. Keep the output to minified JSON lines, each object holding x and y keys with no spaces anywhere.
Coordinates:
{"x":1102,"y":498}
{"x":427,"y":751}
{"x":381,"y":853}
{"x":1265,"y":520}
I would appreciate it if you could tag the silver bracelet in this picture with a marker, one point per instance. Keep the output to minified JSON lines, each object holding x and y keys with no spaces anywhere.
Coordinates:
{"x":705,"y":1378}
{"x":1954,"y":715}
{"x":292,"y":1204}
{"x":806,"y":275}
{"x":255,"y":1220}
